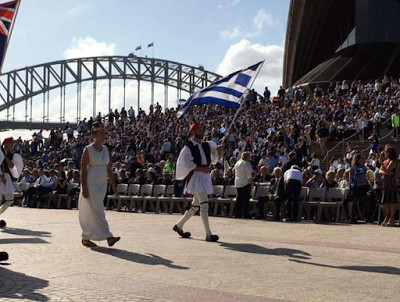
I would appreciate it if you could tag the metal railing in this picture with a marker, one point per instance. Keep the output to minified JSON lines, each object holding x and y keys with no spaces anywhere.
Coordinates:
{"x":342,"y":142}
{"x":386,"y":136}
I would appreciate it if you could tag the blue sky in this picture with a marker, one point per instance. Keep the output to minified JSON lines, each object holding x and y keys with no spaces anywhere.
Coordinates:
{"x":187,"y":31}
{"x":222,"y":35}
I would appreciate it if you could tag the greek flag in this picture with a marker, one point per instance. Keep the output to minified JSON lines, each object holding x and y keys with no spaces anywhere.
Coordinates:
{"x":227,"y":91}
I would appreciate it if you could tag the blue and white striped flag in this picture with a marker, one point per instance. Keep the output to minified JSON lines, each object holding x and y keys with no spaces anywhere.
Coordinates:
{"x":227,"y":91}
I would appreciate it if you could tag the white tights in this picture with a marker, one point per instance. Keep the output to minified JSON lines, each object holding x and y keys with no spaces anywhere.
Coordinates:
{"x":200,"y":201}
{"x":9,"y":197}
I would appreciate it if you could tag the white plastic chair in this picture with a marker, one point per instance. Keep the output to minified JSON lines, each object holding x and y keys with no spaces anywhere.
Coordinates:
{"x":230,"y":194}
{"x":121,"y":189}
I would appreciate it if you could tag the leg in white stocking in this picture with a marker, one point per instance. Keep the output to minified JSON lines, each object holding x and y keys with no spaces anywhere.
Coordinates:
{"x":204,"y":212}
{"x":189,"y":213}
{"x":9,"y":200}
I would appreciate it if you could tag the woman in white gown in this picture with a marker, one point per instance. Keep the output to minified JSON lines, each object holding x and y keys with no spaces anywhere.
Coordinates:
{"x":95,"y":168}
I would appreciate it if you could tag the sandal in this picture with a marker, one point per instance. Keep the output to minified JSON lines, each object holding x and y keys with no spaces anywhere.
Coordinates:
{"x":88,"y":243}
{"x":113,"y":240}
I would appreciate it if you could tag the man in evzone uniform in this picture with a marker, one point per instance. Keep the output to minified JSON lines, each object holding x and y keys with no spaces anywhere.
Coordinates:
{"x":193,"y":166}
{"x":11,"y":165}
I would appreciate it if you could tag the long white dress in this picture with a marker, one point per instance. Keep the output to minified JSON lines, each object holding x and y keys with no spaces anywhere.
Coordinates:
{"x":91,"y":210}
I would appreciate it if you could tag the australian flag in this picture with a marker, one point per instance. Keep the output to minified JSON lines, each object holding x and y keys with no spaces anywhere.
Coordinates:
{"x":8,"y":11}
{"x":227,"y":91}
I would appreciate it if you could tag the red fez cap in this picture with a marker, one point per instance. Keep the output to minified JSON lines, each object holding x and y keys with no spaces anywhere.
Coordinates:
{"x":8,"y":140}
{"x":195,"y":126}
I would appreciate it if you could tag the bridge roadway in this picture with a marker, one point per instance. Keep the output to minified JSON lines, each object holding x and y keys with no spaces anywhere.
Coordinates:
{"x":10,"y":125}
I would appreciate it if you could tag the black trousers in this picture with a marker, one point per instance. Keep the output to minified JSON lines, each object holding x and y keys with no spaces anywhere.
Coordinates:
{"x":293,"y":190}
{"x":261,"y":204}
{"x":243,"y":202}
{"x":29,"y":194}
{"x":359,"y":200}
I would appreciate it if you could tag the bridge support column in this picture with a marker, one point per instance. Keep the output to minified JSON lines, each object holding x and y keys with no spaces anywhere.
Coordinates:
{"x":31,"y":87}
{"x":26,"y":111}
{"x":138,"y":96}
{"x":124,"y":93}
{"x":152,"y":93}
{"x":109,"y":95}
{"x":78,"y":101}
{"x":165,"y":97}
{"x":61,"y":104}
{"x":48,"y":106}
{"x":94,"y":99}
{"x":44,"y":107}
{"x":30,"y":117}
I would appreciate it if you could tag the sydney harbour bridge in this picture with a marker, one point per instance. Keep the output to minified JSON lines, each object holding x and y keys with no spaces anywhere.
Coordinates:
{"x":22,"y":85}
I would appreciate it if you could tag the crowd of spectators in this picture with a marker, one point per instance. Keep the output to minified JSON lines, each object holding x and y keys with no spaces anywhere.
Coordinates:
{"x":144,"y":145}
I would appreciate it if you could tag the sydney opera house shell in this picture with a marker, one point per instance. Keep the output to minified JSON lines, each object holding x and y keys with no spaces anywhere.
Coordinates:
{"x":329,"y":40}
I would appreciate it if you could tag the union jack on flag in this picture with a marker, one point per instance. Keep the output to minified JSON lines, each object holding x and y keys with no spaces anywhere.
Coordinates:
{"x":8,"y":12}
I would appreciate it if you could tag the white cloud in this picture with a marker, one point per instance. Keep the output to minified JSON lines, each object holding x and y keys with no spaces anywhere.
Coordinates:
{"x":261,"y":20}
{"x":230,"y":4}
{"x":231,"y":34}
{"x":77,"y":9}
{"x":244,"y":54}
{"x":88,"y":47}
{"x":235,"y":2}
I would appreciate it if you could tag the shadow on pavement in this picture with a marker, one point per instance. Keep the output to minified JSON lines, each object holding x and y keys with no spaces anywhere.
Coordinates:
{"x":22,"y":240}
{"x":390,"y":270}
{"x":257,"y":249}
{"x":19,"y":286}
{"x":149,"y":259}
{"x":24,"y":232}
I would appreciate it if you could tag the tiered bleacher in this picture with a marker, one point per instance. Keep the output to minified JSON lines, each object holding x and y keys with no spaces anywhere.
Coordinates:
{"x":324,"y":128}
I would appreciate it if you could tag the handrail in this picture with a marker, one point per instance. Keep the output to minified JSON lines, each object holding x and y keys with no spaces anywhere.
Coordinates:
{"x":348,"y":138}
{"x":387,"y":135}
{"x":338,"y":144}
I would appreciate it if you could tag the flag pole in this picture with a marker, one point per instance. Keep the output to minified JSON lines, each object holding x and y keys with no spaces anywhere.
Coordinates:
{"x":242,"y":98}
{"x":9,"y":34}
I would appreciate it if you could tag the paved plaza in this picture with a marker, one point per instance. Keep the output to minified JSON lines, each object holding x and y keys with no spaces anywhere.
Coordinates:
{"x":255,"y":260}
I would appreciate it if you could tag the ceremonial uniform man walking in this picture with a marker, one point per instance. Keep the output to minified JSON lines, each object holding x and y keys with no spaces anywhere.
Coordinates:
{"x":193,"y":166}
{"x":11,"y":165}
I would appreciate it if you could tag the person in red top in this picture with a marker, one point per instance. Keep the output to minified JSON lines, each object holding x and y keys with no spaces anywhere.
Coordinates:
{"x":389,"y":193}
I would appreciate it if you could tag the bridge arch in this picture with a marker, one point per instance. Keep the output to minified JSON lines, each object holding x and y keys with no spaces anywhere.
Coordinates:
{"x":23,"y":84}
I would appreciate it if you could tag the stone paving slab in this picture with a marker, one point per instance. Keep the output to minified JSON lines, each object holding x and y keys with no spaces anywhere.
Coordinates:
{"x":255,"y":260}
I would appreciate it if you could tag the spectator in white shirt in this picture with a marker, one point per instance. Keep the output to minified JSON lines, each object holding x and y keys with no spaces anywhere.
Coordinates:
{"x":47,"y":186}
{"x":32,"y":191}
{"x":243,"y":183}
{"x":293,"y":178}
